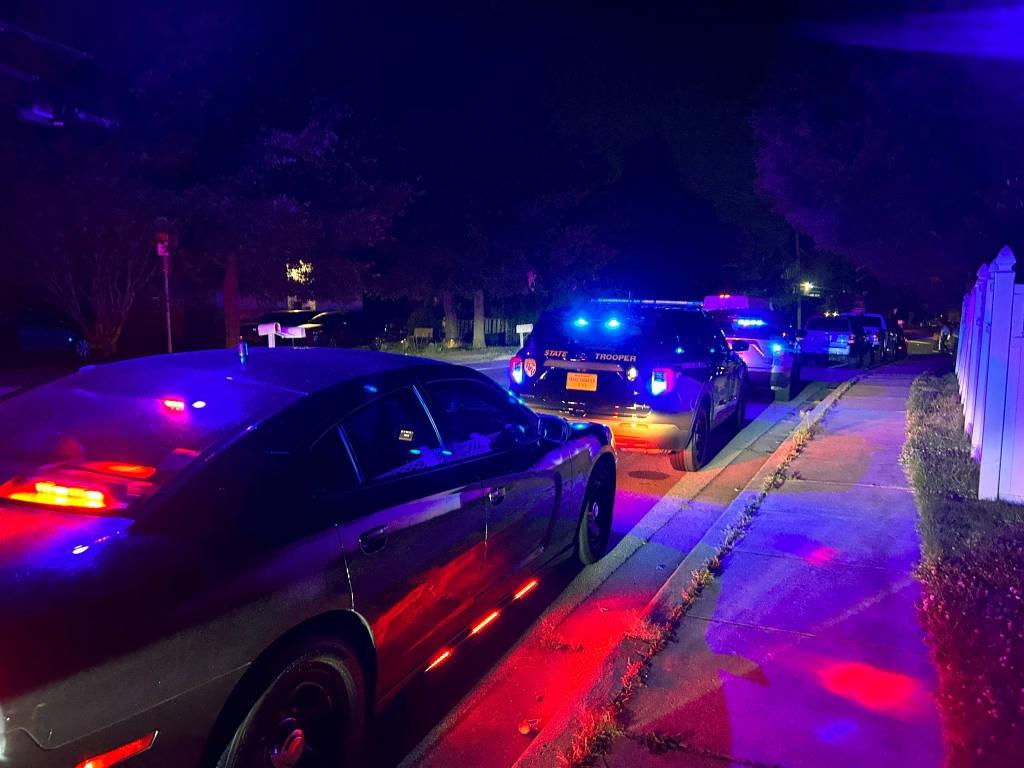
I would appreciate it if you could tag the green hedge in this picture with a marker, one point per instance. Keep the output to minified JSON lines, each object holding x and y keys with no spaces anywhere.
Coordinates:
{"x":972,"y":569}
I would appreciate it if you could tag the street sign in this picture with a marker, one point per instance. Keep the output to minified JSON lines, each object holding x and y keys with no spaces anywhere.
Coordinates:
{"x":522,"y":330}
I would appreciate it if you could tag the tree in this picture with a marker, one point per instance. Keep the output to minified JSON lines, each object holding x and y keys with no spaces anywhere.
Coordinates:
{"x":307,"y":196}
{"x":90,"y":237}
{"x":894,"y":158}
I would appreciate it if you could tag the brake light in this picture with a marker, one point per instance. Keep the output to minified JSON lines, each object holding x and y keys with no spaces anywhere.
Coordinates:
{"x":662,"y":381}
{"x":174,"y":405}
{"x":852,"y":340}
{"x":115,"y":756}
{"x":515,"y":369}
{"x":54,"y":495}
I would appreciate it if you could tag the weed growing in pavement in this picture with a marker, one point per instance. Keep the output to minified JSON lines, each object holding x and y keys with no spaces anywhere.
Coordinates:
{"x":972,"y":572}
{"x":601,"y":725}
{"x":659,"y":743}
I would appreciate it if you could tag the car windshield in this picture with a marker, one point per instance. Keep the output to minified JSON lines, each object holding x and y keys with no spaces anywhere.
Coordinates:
{"x":829,"y":324}
{"x":103,"y":429}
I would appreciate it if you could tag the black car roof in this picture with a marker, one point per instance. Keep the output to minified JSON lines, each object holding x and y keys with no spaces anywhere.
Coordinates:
{"x":298,"y":369}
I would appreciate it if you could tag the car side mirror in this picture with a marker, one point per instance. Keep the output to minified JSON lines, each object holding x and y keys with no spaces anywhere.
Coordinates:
{"x":801,"y":334}
{"x":739,"y":346}
{"x":553,"y":428}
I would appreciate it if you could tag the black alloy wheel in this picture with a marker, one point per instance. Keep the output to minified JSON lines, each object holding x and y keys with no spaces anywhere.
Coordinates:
{"x":596,"y":519}
{"x":312,"y":715}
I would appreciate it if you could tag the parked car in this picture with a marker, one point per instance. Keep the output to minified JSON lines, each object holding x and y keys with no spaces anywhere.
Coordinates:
{"x":659,"y":374}
{"x":773,"y":355}
{"x":36,"y":332}
{"x":208,"y":562}
{"x":345,"y":329}
{"x":873,"y":336}
{"x":836,"y":338}
{"x":878,"y":331}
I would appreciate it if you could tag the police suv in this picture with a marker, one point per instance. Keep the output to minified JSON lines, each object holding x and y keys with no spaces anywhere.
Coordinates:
{"x":773,"y":355}
{"x":659,"y":374}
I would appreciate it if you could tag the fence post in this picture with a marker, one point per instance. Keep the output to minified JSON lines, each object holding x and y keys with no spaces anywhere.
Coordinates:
{"x":989,"y":432}
{"x":1011,"y":467}
{"x":968,"y":344}
{"x":962,"y":340}
{"x":977,"y":351}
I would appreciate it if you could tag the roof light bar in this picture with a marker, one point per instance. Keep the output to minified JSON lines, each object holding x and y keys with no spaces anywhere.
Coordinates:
{"x":651,"y":302}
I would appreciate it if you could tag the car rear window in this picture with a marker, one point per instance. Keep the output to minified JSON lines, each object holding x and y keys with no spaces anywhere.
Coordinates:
{"x":829,"y":324}
{"x":120,"y":431}
{"x":619,"y":330}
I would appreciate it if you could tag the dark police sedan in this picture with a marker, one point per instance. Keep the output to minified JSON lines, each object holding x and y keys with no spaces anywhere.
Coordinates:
{"x":211,"y":562}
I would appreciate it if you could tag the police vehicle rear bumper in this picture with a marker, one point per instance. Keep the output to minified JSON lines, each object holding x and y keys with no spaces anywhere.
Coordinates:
{"x":655,"y":433}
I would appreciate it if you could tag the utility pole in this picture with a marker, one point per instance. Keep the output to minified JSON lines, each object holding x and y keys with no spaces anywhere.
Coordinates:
{"x":800,"y":295}
{"x":163,"y":250}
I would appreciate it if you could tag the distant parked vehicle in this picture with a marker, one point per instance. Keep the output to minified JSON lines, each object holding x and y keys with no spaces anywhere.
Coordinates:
{"x":37,"y":332}
{"x":838,"y":339}
{"x":342,"y":329}
{"x":773,"y":355}
{"x":883,"y":340}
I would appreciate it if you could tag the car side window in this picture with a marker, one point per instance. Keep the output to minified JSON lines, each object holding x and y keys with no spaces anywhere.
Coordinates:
{"x":393,"y":435}
{"x":332,"y":462}
{"x":478,"y":419}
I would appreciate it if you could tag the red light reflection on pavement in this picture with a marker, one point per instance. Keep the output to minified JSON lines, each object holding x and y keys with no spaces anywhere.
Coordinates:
{"x":820,"y":555}
{"x":869,"y":686}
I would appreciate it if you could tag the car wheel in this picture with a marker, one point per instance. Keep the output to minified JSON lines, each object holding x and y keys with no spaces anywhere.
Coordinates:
{"x":312,"y":714}
{"x":693,"y":457}
{"x":82,"y":349}
{"x":596,"y":520}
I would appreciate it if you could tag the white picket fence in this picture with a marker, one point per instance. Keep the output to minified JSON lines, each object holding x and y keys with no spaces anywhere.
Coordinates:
{"x":990,"y":368}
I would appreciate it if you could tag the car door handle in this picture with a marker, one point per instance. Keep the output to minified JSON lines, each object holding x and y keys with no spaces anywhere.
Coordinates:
{"x":496,"y":495}
{"x":374,"y":539}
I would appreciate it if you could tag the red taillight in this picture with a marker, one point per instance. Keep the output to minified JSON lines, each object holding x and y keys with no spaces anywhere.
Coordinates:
{"x":174,"y":405}
{"x":515,"y":369}
{"x":115,"y":756}
{"x":662,"y":381}
{"x":852,"y":340}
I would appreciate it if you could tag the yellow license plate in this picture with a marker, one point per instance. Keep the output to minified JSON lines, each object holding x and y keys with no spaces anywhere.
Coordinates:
{"x":582,"y":381}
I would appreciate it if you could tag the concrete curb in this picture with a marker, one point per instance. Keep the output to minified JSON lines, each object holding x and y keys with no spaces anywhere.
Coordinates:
{"x":577,"y":712}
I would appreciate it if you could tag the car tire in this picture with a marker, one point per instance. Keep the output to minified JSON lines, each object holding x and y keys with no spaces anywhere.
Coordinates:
{"x":317,"y":698}
{"x":81,"y":349}
{"x":595,"y":526}
{"x":692,"y":458}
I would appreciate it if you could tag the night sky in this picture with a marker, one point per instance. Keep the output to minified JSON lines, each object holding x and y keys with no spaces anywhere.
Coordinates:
{"x":656,"y":148}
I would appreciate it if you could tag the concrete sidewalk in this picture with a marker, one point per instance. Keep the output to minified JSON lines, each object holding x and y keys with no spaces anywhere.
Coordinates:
{"x":806,"y":650}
